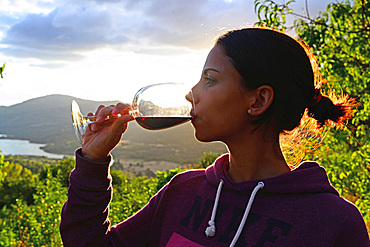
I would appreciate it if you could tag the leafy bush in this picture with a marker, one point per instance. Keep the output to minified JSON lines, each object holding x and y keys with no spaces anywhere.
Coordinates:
{"x":165,"y":176}
{"x":2,"y":165}
{"x":18,"y":183}
{"x":61,"y":171}
{"x":37,"y":224}
{"x":2,"y":70}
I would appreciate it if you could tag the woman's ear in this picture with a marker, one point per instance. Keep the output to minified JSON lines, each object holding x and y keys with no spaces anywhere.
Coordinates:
{"x":264,"y":96}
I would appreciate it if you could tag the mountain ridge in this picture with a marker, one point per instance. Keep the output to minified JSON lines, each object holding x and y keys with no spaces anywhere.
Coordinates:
{"x":47,"y":120}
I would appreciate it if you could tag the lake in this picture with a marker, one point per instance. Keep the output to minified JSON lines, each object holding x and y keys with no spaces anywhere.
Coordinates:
{"x":23,"y":147}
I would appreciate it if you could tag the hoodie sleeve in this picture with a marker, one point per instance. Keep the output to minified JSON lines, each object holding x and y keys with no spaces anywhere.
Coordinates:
{"x":84,"y":219}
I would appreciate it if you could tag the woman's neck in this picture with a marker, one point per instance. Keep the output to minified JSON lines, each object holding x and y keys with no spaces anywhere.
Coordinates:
{"x":254,"y":158}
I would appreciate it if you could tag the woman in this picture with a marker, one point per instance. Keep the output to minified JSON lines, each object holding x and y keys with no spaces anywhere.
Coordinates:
{"x":255,"y":85}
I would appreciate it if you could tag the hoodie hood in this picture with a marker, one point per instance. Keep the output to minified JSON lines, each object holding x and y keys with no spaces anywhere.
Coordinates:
{"x":308,"y":177}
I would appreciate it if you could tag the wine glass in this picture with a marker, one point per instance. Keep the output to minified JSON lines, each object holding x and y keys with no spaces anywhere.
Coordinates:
{"x":154,"y":107}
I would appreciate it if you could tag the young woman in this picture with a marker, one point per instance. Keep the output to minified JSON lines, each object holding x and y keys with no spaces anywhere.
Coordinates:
{"x":255,"y":85}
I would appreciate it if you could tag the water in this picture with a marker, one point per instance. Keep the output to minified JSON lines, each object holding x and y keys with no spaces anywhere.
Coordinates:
{"x":22,"y":147}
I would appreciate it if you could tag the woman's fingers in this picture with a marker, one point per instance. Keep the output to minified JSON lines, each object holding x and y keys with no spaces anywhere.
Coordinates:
{"x":101,"y":114}
{"x":121,"y":123}
{"x":111,"y":112}
{"x":99,"y":109}
{"x":121,"y":108}
{"x":104,"y":113}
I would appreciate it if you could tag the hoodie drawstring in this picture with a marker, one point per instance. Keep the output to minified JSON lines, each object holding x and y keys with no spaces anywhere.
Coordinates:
{"x":246,"y":212}
{"x":211,"y":229}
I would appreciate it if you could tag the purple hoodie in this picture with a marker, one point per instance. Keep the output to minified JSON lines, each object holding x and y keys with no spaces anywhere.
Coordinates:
{"x":298,"y":208}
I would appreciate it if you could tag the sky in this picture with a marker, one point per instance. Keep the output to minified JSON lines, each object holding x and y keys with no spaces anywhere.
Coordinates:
{"x":108,"y":49}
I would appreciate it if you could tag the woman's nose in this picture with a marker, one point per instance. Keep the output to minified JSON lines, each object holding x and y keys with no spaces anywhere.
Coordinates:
{"x":189,"y":97}
{"x":192,"y":96}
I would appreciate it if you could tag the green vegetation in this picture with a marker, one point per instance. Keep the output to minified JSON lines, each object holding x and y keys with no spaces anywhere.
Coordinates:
{"x":339,"y":38}
{"x":2,"y":70}
{"x":31,"y":202}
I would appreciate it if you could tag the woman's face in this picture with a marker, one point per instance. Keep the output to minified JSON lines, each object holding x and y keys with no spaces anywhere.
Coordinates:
{"x":220,"y":100}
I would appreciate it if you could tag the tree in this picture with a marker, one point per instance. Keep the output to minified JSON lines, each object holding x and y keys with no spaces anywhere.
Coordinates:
{"x":2,"y":70}
{"x":339,"y":38}
{"x":18,"y":183}
{"x":60,"y":171}
{"x":2,"y":165}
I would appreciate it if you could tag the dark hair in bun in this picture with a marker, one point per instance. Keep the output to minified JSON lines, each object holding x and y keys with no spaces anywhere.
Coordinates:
{"x":268,"y":57}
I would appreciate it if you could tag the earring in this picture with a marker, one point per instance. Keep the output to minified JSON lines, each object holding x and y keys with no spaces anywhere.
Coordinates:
{"x":249,"y":111}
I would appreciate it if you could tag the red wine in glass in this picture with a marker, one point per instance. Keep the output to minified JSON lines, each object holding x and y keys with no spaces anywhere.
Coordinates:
{"x":157,"y":123}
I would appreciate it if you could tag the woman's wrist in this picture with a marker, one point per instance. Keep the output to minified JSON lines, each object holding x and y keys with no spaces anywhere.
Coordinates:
{"x":93,"y":157}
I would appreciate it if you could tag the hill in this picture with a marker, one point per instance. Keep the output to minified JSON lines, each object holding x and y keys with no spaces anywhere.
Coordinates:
{"x":48,"y":120}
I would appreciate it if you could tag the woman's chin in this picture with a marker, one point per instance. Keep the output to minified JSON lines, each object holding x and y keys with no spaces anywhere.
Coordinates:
{"x":203,"y":138}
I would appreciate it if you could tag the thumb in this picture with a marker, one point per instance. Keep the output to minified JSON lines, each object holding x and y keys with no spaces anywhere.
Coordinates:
{"x":120,"y":124}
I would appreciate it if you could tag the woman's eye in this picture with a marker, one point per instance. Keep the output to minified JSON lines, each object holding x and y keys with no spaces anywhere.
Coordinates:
{"x":209,"y":80}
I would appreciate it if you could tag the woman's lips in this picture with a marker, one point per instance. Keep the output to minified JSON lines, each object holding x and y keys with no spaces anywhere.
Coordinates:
{"x":192,"y":114}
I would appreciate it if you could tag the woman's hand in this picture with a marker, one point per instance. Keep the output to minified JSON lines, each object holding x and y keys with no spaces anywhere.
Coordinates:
{"x":103,"y":135}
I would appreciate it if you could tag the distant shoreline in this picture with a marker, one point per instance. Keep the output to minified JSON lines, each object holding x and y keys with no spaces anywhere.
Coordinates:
{"x":12,"y":146}
{"x":4,"y":136}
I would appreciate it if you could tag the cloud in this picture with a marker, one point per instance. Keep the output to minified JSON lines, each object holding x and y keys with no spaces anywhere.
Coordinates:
{"x":60,"y":33}
{"x":50,"y":65}
{"x":74,"y":27}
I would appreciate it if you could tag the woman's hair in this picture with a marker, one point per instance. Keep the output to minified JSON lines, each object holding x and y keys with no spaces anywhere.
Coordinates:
{"x":268,"y":57}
